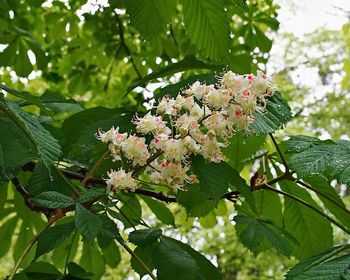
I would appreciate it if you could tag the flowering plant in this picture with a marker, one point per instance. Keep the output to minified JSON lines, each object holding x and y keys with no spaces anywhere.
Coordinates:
{"x":199,"y":121}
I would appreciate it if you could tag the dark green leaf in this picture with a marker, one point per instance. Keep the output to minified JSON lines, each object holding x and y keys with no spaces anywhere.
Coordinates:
{"x":173,"y":262}
{"x":87,"y":223}
{"x":92,"y":260}
{"x":214,"y":178}
{"x":109,"y":229}
{"x":195,"y":201}
{"x":53,"y":237}
{"x":160,"y":210}
{"x":22,"y":66}
{"x":208,"y":270}
{"x":241,"y":148}
{"x":150,"y":17}
{"x":144,"y":236}
{"x":207,"y":26}
{"x":77,"y":271}
{"x":6,"y":233}
{"x":91,"y":195}
{"x":330,"y":198}
{"x":111,"y":255}
{"x":41,"y":180}
{"x":304,"y":223}
{"x":47,"y":146}
{"x":256,"y":233}
{"x":54,"y":200}
{"x":316,"y":264}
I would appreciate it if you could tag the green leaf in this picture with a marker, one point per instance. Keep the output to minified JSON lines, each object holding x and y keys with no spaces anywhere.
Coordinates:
{"x":41,"y":180}
{"x":8,"y":55}
{"x":335,"y":268}
{"x":78,"y":272}
{"x":69,"y":246}
{"x":15,"y":149}
{"x":330,"y":198}
{"x":208,"y":270}
{"x":53,"y":200}
{"x":297,"y":144}
{"x":160,"y":210}
{"x":87,"y":223}
{"x":25,"y":95}
{"x":53,"y":237}
{"x":264,"y":43}
{"x":207,"y":26}
{"x":22,"y":66}
{"x":131,"y":210}
{"x":195,"y":201}
{"x":111,"y":255}
{"x":92,"y":260}
{"x":6,"y":232}
{"x":304,"y":223}
{"x":314,"y":262}
{"x":188,"y":63}
{"x":150,"y":17}
{"x":242,"y":148}
{"x":144,"y":236}
{"x":269,"y":205}
{"x":42,"y":270}
{"x":25,"y":235}
{"x":313,"y":156}
{"x":77,"y":136}
{"x":109,"y":229}
{"x":145,"y":253}
{"x":260,"y":234}
{"x":47,"y":146}
{"x":92,"y":195}
{"x":173,"y":263}
{"x":277,"y":114}
{"x":312,"y":161}
{"x":214,"y":178}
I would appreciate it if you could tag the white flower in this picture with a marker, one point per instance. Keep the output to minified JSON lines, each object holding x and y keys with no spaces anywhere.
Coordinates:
{"x":166,"y":106}
{"x":211,"y":150}
{"x":120,"y":180}
{"x":111,"y":135}
{"x":198,"y":90}
{"x":150,"y":124}
{"x":135,"y":150}
{"x":186,"y":124}
{"x":184,"y":102}
{"x":175,"y":149}
{"x":217,"y":99}
{"x":219,"y":124}
{"x":159,"y":141}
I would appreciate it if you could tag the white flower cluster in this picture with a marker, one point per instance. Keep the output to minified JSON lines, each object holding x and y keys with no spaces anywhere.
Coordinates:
{"x":199,"y":121}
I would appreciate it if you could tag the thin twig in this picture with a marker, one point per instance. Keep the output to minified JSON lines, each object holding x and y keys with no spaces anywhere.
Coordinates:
{"x":93,"y":169}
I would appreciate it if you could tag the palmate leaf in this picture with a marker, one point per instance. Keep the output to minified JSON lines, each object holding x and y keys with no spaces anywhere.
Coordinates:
{"x":323,"y":266}
{"x":47,"y":147}
{"x":143,"y":237}
{"x":207,"y":26}
{"x":277,"y":114}
{"x":150,"y":17}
